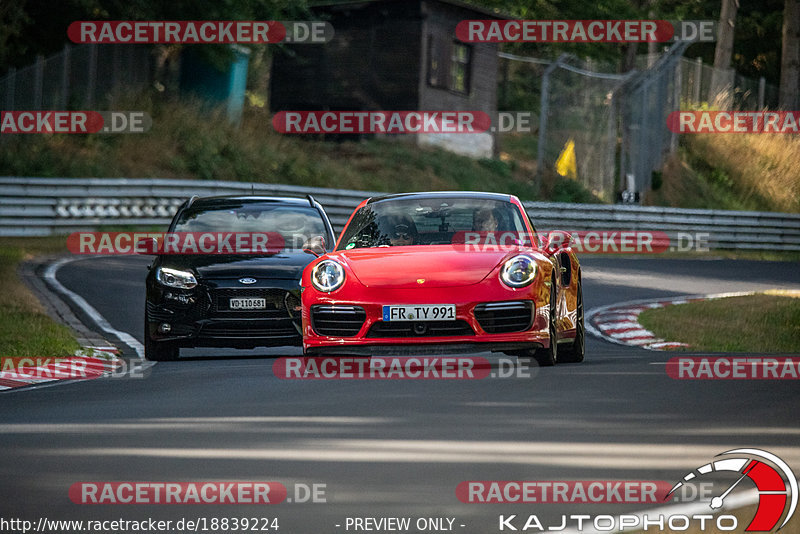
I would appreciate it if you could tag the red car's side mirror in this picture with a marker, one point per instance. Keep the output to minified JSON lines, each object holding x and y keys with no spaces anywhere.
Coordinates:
{"x":556,"y":240}
{"x":315,"y":246}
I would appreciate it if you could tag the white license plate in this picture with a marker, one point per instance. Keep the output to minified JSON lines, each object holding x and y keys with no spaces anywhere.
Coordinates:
{"x":247,"y":304}
{"x":421,"y":312}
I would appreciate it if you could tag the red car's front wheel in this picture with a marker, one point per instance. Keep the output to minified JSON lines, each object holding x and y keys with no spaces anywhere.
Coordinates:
{"x":549,"y":356}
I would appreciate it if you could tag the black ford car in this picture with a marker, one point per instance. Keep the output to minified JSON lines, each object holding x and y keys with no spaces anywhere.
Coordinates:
{"x":212,"y":290}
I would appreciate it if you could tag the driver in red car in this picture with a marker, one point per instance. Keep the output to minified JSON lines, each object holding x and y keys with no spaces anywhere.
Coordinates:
{"x":401,"y":230}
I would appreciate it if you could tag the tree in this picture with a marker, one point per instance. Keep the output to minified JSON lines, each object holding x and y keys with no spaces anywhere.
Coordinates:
{"x":721,"y":78}
{"x":13,"y":20}
{"x":32,"y":27}
{"x":790,"y":56}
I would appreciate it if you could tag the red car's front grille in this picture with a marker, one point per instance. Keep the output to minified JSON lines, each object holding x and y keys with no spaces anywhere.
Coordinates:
{"x":384,"y":329}
{"x":504,"y":317}
{"x":337,"y":321}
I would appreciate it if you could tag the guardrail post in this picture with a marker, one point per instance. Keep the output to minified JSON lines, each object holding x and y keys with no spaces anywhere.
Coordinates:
{"x":543,"y":110}
{"x":676,"y":103}
{"x":115,"y":77}
{"x":11,"y":86}
{"x":65,"y":78}
{"x":37,"y":82}
{"x":698,"y":80}
{"x":91,"y":75}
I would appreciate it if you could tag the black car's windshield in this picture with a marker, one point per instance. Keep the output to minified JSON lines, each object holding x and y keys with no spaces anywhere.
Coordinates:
{"x":296,"y":224}
{"x":429,"y":221}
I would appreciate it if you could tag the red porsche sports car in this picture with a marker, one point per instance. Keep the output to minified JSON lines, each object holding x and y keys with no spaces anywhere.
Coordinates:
{"x":443,"y":272}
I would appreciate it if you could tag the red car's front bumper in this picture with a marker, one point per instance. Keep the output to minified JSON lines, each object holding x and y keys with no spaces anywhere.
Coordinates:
{"x":473,"y":333}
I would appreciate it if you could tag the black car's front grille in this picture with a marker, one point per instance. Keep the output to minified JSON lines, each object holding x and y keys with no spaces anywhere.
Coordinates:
{"x":337,"y":321}
{"x":383,"y":329}
{"x":172,"y":311}
{"x":293,"y":305}
{"x":156,"y":313}
{"x":276,"y":301}
{"x":250,"y":329}
{"x":504,"y":317}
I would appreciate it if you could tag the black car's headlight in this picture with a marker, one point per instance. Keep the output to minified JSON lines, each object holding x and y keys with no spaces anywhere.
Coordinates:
{"x":175,"y":278}
{"x":327,"y":275}
{"x":519,"y":271}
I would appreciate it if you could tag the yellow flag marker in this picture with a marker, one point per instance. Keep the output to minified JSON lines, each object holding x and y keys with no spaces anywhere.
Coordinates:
{"x":566,"y":164}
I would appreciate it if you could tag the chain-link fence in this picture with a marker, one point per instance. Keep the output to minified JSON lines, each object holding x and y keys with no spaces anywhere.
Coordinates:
{"x":645,"y":101}
{"x":578,"y":122}
{"x":89,"y":76}
{"x":744,"y":93}
{"x":609,"y":131}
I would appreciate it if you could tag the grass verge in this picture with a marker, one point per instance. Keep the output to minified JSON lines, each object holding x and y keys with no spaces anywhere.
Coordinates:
{"x":188,"y":141}
{"x":25,"y":329}
{"x":719,"y":254}
{"x":752,"y":323}
{"x":732,"y":172}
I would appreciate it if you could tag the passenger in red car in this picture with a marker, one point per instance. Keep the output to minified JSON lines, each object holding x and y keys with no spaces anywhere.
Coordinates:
{"x":485,"y":220}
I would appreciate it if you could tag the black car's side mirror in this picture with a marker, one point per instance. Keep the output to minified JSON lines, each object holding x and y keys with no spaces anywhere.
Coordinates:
{"x":315,"y":246}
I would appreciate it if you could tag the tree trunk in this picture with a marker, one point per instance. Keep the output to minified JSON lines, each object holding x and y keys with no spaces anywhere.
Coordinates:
{"x":722,"y":77}
{"x":790,"y":56}
{"x":628,"y":57}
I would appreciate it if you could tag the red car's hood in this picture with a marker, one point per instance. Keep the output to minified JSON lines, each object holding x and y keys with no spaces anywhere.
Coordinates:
{"x":437,"y":265}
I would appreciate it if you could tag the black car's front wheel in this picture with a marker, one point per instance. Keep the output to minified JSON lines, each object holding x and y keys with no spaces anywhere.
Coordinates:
{"x":159,"y":351}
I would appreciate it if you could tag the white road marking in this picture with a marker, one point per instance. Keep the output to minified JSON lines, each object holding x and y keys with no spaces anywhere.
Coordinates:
{"x":50,"y":276}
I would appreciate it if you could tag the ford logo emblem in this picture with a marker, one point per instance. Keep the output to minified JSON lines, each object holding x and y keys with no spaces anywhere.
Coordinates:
{"x":247,"y":281}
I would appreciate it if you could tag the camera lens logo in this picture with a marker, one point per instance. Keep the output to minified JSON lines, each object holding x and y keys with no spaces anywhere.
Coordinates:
{"x":774,"y":480}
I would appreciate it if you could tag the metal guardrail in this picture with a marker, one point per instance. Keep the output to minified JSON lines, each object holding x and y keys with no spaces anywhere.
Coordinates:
{"x":57,"y":206}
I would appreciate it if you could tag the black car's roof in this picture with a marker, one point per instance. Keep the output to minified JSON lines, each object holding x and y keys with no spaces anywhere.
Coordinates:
{"x":225,"y":200}
{"x":443,"y":194}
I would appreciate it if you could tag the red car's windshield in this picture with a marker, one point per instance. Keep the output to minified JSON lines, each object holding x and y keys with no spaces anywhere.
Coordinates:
{"x":429,"y":221}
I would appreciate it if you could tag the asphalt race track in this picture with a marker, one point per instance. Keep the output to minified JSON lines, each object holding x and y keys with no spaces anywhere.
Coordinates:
{"x":387,"y":448}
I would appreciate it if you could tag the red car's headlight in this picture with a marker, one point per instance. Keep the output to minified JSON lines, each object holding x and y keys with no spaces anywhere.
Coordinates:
{"x":327,"y":275}
{"x":519,"y":271}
